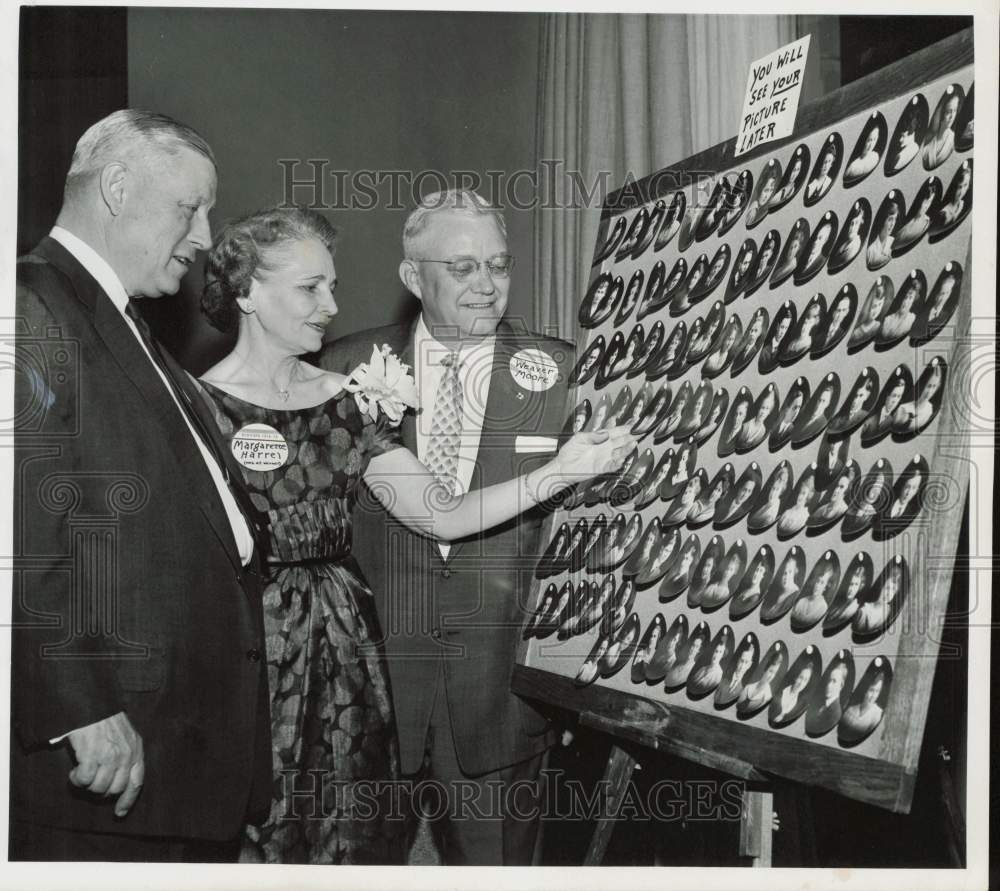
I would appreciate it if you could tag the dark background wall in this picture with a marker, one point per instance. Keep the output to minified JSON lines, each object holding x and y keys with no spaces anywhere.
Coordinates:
{"x":365,"y":90}
{"x":73,"y":71}
{"x":873,"y":41}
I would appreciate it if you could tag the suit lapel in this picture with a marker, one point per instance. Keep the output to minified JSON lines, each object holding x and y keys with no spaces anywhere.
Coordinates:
{"x":504,"y":402}
{"x":137,"y":367}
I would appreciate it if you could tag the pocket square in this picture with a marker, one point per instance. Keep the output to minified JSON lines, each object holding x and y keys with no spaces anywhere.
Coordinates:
{"x":535,"y":445}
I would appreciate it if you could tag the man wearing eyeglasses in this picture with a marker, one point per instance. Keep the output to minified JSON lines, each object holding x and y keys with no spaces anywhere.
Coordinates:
{"x":451,"y":613}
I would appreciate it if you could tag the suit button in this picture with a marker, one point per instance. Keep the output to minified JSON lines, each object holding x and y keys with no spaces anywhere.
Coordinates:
{"x":446,"y":573}
{"x":436,"y":633}
{"x":253,"y":655}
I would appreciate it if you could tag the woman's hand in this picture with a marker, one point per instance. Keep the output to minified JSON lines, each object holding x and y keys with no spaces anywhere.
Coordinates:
{"x":587,"y":455}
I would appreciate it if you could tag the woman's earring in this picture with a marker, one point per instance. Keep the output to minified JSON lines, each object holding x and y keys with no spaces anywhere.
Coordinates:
{"x":245,"y":306}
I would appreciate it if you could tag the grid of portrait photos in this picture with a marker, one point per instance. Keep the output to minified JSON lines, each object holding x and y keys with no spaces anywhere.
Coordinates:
{"x":781,"y":343}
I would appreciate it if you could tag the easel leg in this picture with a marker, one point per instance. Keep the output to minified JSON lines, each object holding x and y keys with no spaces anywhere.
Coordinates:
{"x":616,"y":776}
{"x":755,"y":826}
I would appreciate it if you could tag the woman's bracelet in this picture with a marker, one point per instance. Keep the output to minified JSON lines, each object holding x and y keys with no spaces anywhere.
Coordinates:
{"x":530,"y":491}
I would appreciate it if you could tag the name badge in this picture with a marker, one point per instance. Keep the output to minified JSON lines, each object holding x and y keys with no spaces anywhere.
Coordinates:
{"x":259,"y":447}
{"x":534,"y":370}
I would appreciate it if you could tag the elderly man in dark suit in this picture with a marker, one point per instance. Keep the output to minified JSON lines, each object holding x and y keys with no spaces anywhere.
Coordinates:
{"x":451,"y":615}
{"x":138,"y":688}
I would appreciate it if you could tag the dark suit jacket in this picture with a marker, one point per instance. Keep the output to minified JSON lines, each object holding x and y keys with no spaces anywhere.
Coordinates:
{"x":467,"y":613}
{"x":129,"y":594}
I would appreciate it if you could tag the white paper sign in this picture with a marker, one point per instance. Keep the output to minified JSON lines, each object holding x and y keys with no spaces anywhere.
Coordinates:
{"x":772,"y":96}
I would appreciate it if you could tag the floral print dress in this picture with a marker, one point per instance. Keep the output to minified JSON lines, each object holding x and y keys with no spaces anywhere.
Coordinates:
{"x":335,"y":753}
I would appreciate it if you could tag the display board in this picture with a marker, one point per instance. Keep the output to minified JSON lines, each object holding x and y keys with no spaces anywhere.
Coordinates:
{"x":764,"y":578}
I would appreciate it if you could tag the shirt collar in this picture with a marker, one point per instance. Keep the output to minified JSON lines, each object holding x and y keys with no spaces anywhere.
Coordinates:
{"x":425,"y":344}
{"x":95,"y":264}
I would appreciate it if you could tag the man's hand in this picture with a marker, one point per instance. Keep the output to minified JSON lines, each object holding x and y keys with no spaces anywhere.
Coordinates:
{"x":110,"y":760}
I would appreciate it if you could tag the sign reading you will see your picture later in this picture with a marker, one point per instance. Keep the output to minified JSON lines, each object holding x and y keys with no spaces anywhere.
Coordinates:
{"x":772,"y":96}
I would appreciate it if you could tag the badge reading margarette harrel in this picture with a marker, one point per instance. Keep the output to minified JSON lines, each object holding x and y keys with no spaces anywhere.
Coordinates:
{"x":534,"y":370}
{"x":259,"y":447}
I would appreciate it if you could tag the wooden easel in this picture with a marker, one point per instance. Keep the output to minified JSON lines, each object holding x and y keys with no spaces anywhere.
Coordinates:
{"x":758,"y":798}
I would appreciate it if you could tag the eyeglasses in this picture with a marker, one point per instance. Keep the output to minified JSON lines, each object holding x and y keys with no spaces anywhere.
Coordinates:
{"x":462,"y":268}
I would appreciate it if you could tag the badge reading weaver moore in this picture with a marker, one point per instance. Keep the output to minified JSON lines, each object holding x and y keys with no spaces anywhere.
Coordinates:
{"x":534,"y":370}
{"x":259,"y":447}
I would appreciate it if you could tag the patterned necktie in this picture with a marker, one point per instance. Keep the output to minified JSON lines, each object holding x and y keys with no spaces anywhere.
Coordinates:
{"x":446,"y":427}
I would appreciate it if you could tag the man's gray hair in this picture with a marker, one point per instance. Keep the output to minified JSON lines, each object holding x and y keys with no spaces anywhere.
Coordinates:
{"x":453,"y":200}
{"x":130,"y":133}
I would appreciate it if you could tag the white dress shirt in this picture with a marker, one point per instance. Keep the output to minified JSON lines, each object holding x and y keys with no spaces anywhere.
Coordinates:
{"x":105,"y":276}
{"x":474,"y":374}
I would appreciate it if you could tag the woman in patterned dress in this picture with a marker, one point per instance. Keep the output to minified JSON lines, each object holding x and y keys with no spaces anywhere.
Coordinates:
{"x":306,"y":442}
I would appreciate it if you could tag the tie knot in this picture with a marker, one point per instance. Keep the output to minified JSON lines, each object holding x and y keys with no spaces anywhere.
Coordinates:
{"x":450,"y":359}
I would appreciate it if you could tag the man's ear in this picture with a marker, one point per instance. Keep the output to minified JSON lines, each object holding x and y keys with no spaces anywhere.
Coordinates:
{"x":114,"y":186}
{"x":409,"y":275}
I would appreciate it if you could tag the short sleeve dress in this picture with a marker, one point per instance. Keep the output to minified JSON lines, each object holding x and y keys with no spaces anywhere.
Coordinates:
{"x":335,"y":753}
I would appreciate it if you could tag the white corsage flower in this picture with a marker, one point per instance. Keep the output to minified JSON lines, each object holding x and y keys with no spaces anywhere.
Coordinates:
{"x":383,"y":383}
